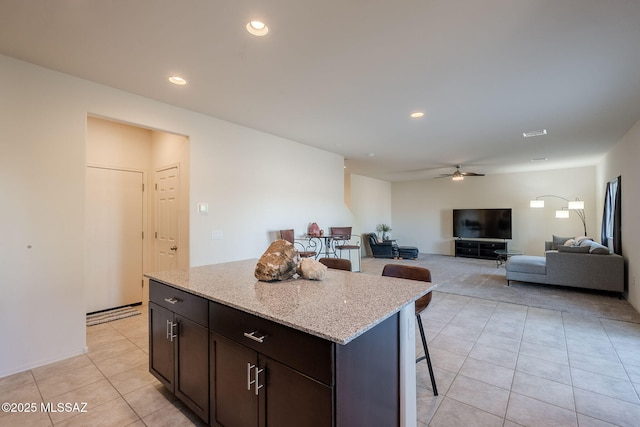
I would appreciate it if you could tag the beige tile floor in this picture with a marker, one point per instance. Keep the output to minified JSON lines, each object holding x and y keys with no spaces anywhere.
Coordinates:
{"x":500,"y":364}
{"x":112,"y":378}
{"x":495,"y":364}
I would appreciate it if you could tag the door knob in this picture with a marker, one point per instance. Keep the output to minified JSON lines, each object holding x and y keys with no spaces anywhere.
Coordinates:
{"x":174,"y":248}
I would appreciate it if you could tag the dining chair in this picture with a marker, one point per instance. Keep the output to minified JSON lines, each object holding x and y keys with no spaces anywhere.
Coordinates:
{"x":416,"y":273}
{"x":342,"y":242}
{"x":336,"y":263}
{"x":289,"y":236}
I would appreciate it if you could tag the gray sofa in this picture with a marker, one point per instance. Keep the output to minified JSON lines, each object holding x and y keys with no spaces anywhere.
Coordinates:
{"x":580,"y":270}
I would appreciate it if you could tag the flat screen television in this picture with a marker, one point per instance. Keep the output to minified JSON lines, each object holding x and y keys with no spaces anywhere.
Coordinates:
{"x":482,"y":223}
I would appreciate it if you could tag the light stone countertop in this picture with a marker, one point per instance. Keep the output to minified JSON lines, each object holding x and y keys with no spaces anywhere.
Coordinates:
{"x":339,"y":308}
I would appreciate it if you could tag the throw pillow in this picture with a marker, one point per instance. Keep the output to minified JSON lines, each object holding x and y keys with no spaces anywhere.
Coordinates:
{"x":580,"y":239}
{"x":598,"y":249}
{"x":574,"y":249}
{"x":585,"y":242}
{"x":557,"y":241}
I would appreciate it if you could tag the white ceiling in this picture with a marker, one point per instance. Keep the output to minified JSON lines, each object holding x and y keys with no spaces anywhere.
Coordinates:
{"x":343,"y":75}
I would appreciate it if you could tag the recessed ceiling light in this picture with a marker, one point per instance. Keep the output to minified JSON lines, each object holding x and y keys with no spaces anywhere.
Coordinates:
{"x":532,"y":133}
{"x":257,"y":28}
{"x":417,"y":114}
{"x":177,"y":80}
{"x":372,"y":154}
{"x":540,"y":159}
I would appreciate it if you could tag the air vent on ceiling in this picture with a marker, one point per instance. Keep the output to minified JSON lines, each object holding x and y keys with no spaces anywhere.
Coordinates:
{"x":533,"y":133}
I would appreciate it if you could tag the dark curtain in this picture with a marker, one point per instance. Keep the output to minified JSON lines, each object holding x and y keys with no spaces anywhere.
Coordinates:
{"x":612,"y":216}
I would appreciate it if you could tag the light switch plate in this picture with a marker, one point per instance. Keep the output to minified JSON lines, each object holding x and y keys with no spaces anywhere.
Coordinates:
{"x":203,"y":208}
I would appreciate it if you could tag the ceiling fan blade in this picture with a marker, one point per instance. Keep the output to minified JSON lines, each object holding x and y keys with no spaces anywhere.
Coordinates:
{"x":472,"y":174}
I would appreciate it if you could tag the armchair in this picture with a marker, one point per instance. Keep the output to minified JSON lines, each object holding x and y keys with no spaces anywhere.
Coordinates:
{"x":386,"y":249}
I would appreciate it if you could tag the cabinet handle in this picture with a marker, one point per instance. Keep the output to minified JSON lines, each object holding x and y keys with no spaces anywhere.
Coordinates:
{"x":252,"y":335}
{"x":257,"y":381}
{"x":249,"y":381}
{"x":172,"y":334}
{"x":168,"y":331}
{"x":171,"y":300}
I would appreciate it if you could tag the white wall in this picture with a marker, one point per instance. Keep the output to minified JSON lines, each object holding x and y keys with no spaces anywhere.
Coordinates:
{"x":622,"y":161}
{"x":255,"y":184}
{"x":370,"y":203}
{"x":422,"y":210}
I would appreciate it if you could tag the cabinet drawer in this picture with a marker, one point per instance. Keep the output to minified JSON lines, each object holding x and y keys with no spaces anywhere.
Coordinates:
{"x":181,"y":302}
{"x":306,"y":353}
{"x":466,"y":251}
{"x":466,"y":244}
{"x":493,"y":245}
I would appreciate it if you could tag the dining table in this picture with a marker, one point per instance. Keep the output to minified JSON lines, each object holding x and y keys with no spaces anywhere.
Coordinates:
{"x":326,"y":245}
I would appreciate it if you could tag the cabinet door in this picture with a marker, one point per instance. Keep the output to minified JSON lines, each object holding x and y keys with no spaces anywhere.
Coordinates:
{"x":192,"y":366}
{"x":233,"y":397}
{"x":161,"y":358}
{"x":292,"y":399}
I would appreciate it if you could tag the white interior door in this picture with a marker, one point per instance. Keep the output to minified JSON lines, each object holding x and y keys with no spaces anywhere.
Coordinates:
{"x":167,"y":238}
{"x":114,"y":212}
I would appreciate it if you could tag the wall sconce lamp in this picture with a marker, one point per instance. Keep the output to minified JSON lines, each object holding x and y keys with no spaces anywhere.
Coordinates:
{"x":572,"y":205}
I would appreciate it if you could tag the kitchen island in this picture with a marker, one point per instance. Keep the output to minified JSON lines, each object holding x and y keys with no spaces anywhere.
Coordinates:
{"x":336,"y":352}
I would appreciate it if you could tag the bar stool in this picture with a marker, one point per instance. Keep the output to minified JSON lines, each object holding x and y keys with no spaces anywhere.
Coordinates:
{"x":289,"y":236}
{"x":416,"y":273}
{"x":336,"y":263}
{"x":342,"y":242}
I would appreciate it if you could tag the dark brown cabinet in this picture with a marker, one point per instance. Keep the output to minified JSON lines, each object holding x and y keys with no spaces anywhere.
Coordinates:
{"x":484,"y":249}
{"x":250,"y":389}
{"x":235,"y":369}
{"x":265,"y":374}
{"x":179,"y":345}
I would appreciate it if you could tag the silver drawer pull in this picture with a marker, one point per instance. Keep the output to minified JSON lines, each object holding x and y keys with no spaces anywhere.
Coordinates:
{"x":257,"y":380}
{"x":172,"y":300}
{"x":252,"y":335}
{"x":249,"y":380}
{"x":170,"y":333}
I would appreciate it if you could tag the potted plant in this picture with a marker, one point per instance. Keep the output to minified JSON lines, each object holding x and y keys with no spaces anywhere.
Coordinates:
{"x":384,"y":229}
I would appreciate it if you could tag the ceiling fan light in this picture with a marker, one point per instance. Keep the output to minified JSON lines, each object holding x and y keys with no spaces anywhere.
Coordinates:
{"x":457,"y":176}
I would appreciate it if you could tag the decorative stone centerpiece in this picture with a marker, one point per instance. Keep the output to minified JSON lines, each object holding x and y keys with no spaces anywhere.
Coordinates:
{"x":311,"y":269}
{"x":279,"y":262}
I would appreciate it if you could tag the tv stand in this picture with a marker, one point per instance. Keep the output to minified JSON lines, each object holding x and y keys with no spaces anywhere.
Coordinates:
{"x":484,"y":249}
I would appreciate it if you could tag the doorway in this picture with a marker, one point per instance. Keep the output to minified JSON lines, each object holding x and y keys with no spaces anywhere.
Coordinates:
{"x":114,"y":207}
{"x":167,"y":184}
{"x":116,"y":149}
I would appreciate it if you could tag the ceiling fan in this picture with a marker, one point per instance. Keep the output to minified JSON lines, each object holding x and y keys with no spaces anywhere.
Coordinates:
{"x":458,"y":175}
